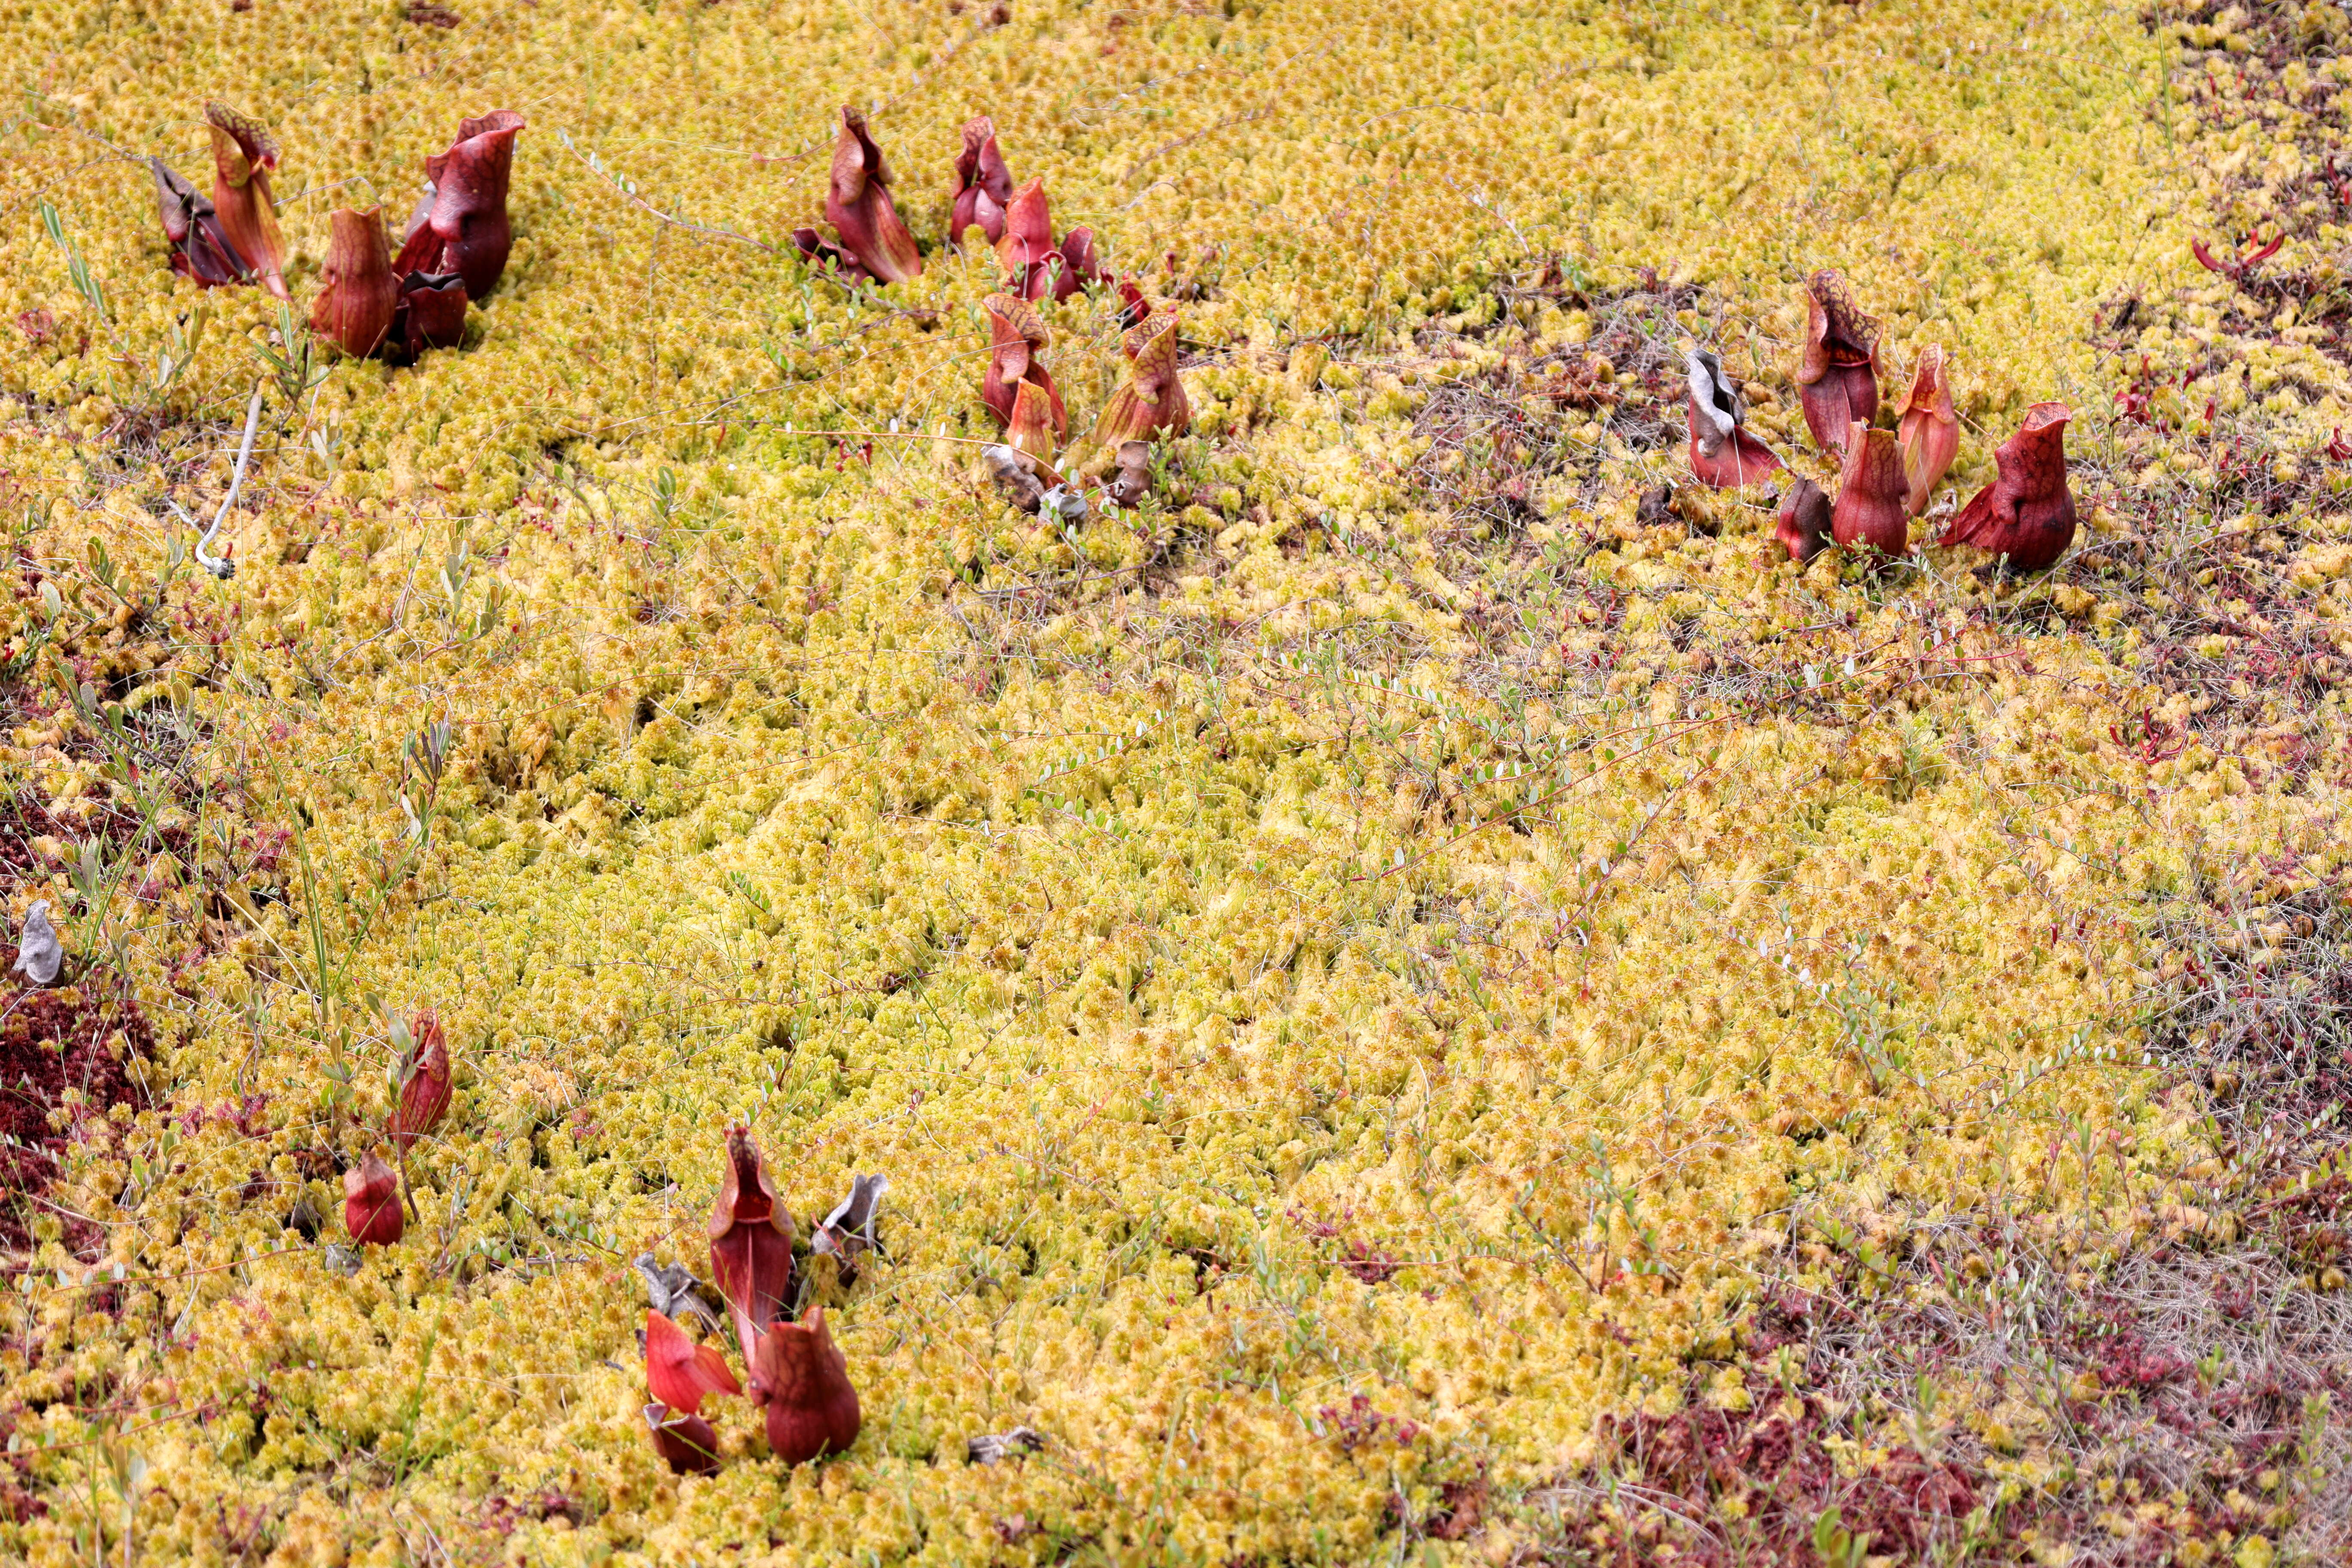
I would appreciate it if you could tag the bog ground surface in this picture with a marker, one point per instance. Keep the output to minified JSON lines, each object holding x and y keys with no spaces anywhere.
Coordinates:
{"x":1416,"y":1008}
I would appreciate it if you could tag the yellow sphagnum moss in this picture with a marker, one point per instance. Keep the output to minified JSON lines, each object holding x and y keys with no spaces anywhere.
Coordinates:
{"x":1137,"y":919}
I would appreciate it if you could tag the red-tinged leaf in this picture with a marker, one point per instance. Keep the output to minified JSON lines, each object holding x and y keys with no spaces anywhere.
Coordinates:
{"x":857,"y":204}
{"x":802,"y":1383}
{"x":1928,"y":428}
{"x":983,"y":183}
{"x":1018,"y":336}
{"x":243,"y":155}
{"x":1871,"y":512}
{"x":425,"y":1097}
{"x":201,"y":247}
{"x":1837,"y":372}
{"x":355,"y":304}
{"x":751,"y":1242}
{"x":819,"y":251}
{"x":1134,"y":308}
{"x":1152,"y":403}
{"x":431,"y":313}
{"x":1804,"y":521}
{"x":686,"y":1442}
{"x":1028,"y":233}
{"x":1031,"y":428}
{"x":2027,"y":513}
{"x":467,"y":230}
{"x":1723,"y":453}
{"x":372,"y":1201}
{"x":678,"y":1371}
{"x":1082,"y":263}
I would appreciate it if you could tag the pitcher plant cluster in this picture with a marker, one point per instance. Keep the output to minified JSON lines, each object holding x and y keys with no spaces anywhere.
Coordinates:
{"x":1889,"y":458}
{"x":874,"y":245}
{"x":798,"y":1379}
{"x":372,"y":299}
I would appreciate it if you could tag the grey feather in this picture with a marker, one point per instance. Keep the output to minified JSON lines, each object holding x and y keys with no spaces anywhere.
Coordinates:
{"x":675,"y":1293}
{"x":1015,"y":473}
{"x":39,"y":955}
{"x":994,"y":1448}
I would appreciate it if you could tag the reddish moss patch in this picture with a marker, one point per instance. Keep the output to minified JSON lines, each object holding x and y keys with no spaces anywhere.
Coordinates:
{"x":1778,"y":1475}
{"x":80,"y":1038}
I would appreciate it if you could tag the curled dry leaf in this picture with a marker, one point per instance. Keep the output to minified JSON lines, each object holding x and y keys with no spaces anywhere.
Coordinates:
{"x":201,"y":247}
{"x":677,"y":1293}
{"x":1023,"y":480}
{"x":995,"y":1448}
{"x":1131,"y":479}
{"x":1655,"y":508}
{"x":849,"y":1229}
{"x":2027,"y":513}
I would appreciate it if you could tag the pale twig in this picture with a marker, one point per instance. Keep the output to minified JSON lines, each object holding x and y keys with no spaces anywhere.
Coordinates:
{"x":221,"y":566}
{"x":598,"y":169}
{"x":1229,"y":123}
